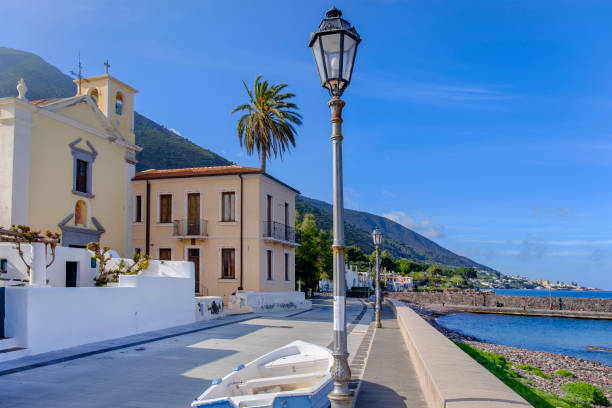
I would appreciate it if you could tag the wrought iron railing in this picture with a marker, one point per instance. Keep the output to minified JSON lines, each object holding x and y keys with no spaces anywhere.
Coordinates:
{"x":190,"y":228}
{"x":282,"y":232}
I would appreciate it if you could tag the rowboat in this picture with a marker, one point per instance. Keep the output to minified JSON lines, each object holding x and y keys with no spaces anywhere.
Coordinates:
{"x":294,"y":376}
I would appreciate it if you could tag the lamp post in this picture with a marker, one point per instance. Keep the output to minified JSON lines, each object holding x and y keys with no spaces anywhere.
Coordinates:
{"x":377,"y":238}
{"x":334,"y":47}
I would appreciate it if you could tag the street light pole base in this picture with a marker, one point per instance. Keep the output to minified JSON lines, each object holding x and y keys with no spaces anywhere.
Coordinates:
{"x":341,"y":400}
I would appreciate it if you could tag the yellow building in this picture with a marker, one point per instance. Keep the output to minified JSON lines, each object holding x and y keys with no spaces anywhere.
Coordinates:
{"x":234,"y":223}
{"x":67,"y":163}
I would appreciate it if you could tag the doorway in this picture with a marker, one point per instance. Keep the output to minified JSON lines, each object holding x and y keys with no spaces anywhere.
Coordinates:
{"x":71,"y":274}
{"x":193,"y":255}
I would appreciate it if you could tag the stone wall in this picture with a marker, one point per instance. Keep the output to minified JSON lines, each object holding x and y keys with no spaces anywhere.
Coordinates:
{"x":472,"y":298}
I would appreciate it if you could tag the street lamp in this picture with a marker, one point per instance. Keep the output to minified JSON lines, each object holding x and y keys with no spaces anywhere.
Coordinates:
{"x":377,"y":238}
{"x":334,"y":47}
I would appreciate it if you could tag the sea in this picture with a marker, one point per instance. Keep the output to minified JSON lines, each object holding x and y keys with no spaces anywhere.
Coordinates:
{"x":595,"y":294}
{"x":553,"y":334}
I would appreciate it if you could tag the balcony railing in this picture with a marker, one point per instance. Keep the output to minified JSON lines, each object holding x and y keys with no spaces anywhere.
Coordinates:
{"x":281,"y":232}
{"x":190,"y":228}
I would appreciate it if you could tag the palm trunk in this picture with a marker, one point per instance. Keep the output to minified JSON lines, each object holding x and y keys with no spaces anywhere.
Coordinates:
{"x":263,"y":159}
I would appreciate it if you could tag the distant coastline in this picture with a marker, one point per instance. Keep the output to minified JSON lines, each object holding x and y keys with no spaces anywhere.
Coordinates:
{"x":570,"y":293}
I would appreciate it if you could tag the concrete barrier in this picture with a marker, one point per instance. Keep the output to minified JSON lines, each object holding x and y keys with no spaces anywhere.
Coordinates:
{"x":262,"y":302}
{"x":209,"y":307}
{"x":448,"y":377}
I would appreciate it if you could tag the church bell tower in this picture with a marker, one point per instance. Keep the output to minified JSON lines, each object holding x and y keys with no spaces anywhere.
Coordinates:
{"x":114,"y":98}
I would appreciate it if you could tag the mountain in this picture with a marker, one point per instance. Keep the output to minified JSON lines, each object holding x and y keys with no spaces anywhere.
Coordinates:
{"x":399,"y":240}
{"x":164,"y":149}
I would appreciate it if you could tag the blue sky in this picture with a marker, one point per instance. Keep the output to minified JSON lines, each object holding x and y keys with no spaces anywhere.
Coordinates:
{"x":483,"y":125}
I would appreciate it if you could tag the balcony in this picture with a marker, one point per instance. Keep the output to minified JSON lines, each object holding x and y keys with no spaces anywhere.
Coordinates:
{"x":275,"y":231}
{"x":190,"y":228}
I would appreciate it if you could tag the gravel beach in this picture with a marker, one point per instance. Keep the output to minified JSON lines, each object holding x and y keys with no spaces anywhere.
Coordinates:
{"x":592,"y":372}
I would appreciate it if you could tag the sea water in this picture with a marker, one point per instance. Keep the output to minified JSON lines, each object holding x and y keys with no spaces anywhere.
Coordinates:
{"x":553,"y":334}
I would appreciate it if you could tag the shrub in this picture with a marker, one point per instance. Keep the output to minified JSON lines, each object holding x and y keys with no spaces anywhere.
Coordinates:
{"x":562,"y":372}
{"x":585,"y":393}
{"x":533,"y":370}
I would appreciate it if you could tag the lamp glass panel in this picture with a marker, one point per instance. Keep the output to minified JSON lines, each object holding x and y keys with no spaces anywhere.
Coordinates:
{"x":350,"y":46}
{"x":331,"y":54}
{"x":318,"y":56}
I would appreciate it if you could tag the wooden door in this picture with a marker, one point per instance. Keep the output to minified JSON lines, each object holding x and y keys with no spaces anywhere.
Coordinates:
{"x":193,"y":214}
{"x":71,"y":274}
{"x":193,"y":255}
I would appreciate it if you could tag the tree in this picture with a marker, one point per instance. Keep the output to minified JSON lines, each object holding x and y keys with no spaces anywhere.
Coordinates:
{"x":268,"y":124}
{"x":307,"y":254}
{"x":326,"y":255}
{"x":24,"y":234}
{"x":466,"y":272}
{"x":107,"y":273}
{"x":355,"y":255}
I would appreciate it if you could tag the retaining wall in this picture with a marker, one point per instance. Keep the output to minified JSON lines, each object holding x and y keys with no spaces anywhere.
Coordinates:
{"x":47,"y":319}
{"x":449,"y":378}
{"x":492,"y":300}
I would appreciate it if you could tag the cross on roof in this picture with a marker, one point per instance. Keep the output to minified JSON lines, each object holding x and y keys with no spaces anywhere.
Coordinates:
{"x":107,"y":66}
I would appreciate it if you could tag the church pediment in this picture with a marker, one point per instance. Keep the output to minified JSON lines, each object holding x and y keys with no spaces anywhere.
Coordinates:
{"x":88,"y":114}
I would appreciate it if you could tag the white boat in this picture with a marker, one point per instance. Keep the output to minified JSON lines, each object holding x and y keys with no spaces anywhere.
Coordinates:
{"x":294,"y":376}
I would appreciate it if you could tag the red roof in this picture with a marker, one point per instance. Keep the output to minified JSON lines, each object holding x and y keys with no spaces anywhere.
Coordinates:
{"x":204,"y":172}
{"x":39,"y":101}
{"x":195,"y":172}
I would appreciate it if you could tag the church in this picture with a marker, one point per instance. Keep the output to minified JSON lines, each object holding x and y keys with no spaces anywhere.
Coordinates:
{"x":67,"y":163}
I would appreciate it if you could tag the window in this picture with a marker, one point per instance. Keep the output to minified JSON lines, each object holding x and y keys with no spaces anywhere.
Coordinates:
{"x":3,"y":268}
{"x":83,"y":159}
{"x":165,"y":254}
{"x":82,"y":168}
{"x":94,"y":95}
{"x":269,"y":264}
{"x":138,"y":215}
{"x":228,"y":263}
{"x":286,"y":266}
{"x":165,"y":208}
{"x":119,"y":104}
{"x":228,"y":206}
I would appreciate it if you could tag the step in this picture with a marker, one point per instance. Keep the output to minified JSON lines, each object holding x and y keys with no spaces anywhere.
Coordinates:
{"x":8,"y":342}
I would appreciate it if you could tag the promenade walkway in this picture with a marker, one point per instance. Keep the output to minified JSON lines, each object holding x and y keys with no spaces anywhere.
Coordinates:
{"x":167,"y":368}
{"x":389,"y":379}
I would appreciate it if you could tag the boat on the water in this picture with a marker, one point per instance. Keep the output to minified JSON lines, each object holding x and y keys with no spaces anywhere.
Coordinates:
{"x":294,"y":376}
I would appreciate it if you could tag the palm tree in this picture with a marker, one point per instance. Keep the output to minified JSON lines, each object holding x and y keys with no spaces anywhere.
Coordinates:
{"x":268,"y":124}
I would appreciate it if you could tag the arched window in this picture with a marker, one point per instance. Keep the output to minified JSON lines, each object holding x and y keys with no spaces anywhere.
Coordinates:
{"x":80,"y":214}
{"x":94,"y":95}
{"x":119,"y":103}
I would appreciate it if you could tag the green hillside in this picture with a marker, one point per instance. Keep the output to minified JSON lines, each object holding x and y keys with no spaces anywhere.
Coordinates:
{"x":42,"y":78}
{"x":399,"y":240}
{"x":163,"y":149}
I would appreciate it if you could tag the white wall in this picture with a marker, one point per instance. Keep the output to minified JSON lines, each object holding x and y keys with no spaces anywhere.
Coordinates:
{"x":56,"y":273}
{"x":259,"y":302}
{"x":46,"y":319}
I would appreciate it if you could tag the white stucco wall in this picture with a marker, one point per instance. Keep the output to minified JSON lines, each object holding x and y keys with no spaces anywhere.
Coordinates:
{"x":46,"y":319}
{"x":56,"y":273}
{"x":259,"y":302}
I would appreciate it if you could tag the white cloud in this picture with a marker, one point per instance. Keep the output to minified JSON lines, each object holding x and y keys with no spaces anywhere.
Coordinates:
{"x":425,"y":226}
{"x":176,"y":132}
{"x":388,"y":194}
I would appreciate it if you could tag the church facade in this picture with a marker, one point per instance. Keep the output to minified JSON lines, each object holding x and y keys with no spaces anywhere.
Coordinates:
{"x":67,"y":163}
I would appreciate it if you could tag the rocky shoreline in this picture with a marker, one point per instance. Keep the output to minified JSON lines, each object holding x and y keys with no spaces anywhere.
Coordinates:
{"x":595,"y":373}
